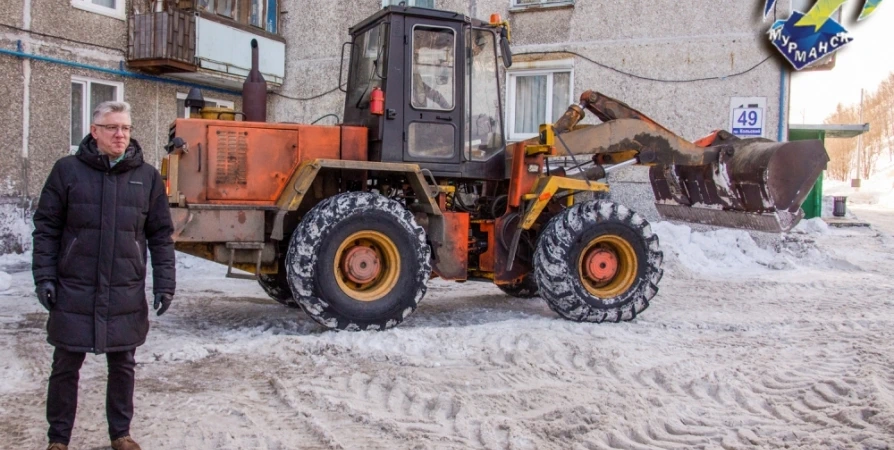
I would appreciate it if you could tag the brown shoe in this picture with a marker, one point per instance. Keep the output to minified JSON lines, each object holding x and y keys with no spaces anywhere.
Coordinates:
{"x":57,"y":446}
{"x":125,"y":443}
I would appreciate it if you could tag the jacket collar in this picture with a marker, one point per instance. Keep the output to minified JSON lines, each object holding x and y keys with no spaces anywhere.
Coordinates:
{"x":90,"y":155}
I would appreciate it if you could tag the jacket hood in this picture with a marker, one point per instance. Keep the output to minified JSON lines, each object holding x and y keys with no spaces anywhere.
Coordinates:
{"x":90,"y":155}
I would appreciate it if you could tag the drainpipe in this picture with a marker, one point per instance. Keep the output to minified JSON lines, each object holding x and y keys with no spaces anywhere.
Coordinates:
{"x":783,"y":94}
{"x":26,"y":103}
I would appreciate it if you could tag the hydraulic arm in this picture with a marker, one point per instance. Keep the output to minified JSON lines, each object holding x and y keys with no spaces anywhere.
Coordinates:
{"x":721,"y":180}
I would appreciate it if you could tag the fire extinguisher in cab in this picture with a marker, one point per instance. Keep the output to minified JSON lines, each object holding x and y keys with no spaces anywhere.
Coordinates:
{"x":377,"y":101}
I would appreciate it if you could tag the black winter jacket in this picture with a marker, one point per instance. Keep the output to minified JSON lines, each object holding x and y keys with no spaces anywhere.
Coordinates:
{"x":92,"y":228}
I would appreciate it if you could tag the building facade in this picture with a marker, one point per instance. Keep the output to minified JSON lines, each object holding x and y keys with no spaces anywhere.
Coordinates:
{"x":680,"y":63}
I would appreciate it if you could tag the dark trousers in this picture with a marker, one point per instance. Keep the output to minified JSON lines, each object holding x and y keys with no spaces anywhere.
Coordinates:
{"x":62,"y":395}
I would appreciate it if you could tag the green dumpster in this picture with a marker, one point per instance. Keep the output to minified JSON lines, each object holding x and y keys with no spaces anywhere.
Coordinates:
{"x":813,"y":204}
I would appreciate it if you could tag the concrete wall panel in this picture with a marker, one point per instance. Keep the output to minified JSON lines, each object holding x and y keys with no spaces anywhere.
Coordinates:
{"x":659,"y":40}
{"x":11,"y":89}
{"x":316,"y":30}
{"x":60,"y":18}
{"x":50,"y":119}
{"x":11,"y":13}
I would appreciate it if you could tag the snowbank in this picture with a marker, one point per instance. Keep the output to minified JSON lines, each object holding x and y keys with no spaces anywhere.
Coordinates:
{"x":727,"y":252}
{"x":812,"y":226}
{"x":717,"y":252}
{"x":12,"y":263}
{"x":877,"y":191}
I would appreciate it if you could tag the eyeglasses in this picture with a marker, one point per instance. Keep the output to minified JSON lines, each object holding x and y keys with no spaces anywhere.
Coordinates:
{"x":125,"y":129}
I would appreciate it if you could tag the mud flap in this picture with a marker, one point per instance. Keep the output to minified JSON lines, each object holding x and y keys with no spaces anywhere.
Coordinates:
{"x":754,"y":184}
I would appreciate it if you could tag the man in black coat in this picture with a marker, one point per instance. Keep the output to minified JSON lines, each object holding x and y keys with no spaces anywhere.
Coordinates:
{"x":99,"y":212}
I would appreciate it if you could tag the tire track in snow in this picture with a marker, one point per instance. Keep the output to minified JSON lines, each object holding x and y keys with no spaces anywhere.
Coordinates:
{"x":818,"y":392}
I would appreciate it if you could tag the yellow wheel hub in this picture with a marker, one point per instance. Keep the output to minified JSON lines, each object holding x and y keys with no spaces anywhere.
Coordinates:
{"x":367,"y":265}
{"x":607,"y":266}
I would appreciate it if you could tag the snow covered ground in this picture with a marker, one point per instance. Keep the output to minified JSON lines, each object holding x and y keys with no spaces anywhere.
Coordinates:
{"x":873,"y":201}
{"x":745,"y":346}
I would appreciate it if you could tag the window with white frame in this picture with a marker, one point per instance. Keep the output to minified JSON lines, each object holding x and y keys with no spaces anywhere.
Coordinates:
{"x":111,"y":8}
{"x":263,"y":14}
{"x":86,"y":94}
{"x":538,"y":94}
{"x":183,"y":111}
{"x":529,"y":3}
{"x":419,"y":3}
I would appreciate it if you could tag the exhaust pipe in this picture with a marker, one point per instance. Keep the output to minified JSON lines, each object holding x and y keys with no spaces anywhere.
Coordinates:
{"x":254,"y":90}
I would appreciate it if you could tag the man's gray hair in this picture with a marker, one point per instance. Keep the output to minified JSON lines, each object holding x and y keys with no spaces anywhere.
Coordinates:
{"x":110,"y":107}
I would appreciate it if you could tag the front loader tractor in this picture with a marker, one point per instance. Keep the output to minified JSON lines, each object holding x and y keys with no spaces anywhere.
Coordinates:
{"x":350,"y":222}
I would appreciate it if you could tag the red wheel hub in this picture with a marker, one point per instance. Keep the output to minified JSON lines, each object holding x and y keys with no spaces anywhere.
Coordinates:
{"x":601,"y":264}
{"x":360,"y":264}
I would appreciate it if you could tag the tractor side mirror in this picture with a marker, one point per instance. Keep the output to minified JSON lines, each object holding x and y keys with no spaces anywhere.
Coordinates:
{"x":343,"y":86}
{"x":505,"y":51}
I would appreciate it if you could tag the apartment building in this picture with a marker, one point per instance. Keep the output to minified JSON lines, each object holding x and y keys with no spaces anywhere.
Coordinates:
{"x":60,"y":58}
{"x":681,"y":63}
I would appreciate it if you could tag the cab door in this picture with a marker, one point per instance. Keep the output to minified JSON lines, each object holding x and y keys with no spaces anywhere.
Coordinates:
{"x":433,"y":110}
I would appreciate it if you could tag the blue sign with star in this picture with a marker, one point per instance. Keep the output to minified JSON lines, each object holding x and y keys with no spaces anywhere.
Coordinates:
{"x":804,"y":45}
{"x":807,"y":37}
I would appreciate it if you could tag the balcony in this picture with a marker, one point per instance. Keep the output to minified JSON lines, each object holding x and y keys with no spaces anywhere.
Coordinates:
{"x":206,"y":46}
{"x":163,"y":42}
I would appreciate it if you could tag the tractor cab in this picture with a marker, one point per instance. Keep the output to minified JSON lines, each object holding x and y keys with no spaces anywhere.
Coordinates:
{"x":426,"y":85}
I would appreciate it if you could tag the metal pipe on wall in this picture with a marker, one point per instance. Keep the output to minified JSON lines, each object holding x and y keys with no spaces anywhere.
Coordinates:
{"x":22,"y":51}
{"x":120,"y":72}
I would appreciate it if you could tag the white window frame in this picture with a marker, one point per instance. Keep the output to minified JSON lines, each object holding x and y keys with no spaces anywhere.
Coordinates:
{"x":386,"y":3}
{"x":116,"y":12}
{"x":515,"y":5}
{"x":535,"y":68}
{"x":86,"y":113}
{"x":220,"y":102}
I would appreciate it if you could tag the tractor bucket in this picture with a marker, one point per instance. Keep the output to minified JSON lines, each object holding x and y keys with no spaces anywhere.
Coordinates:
{"x":754,"y":184}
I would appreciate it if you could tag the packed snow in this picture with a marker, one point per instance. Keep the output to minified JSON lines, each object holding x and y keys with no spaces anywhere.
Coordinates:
{"x":5,"y":281}
{"x":751,"y":342}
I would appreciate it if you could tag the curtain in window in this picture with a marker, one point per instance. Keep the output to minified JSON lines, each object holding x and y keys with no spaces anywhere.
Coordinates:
{"x":89,"y":94}
{"x":561,"y":88}
{"x":106,"y":3}
{"x":225,"y":7}
{"x":100,"y":93}
{"x":256,"y":13}
{"x":530,"y":103}
{"x":77,"y":113}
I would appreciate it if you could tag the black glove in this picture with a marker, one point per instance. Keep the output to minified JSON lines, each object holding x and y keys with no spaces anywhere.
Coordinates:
{"x":162,"y":300}
{"x":46,"y":293}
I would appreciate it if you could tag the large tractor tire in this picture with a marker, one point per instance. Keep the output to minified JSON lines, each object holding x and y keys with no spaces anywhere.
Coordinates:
{"x":358,"y":261}
{"x":598,"y":261}
{"x":277,"y":286}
